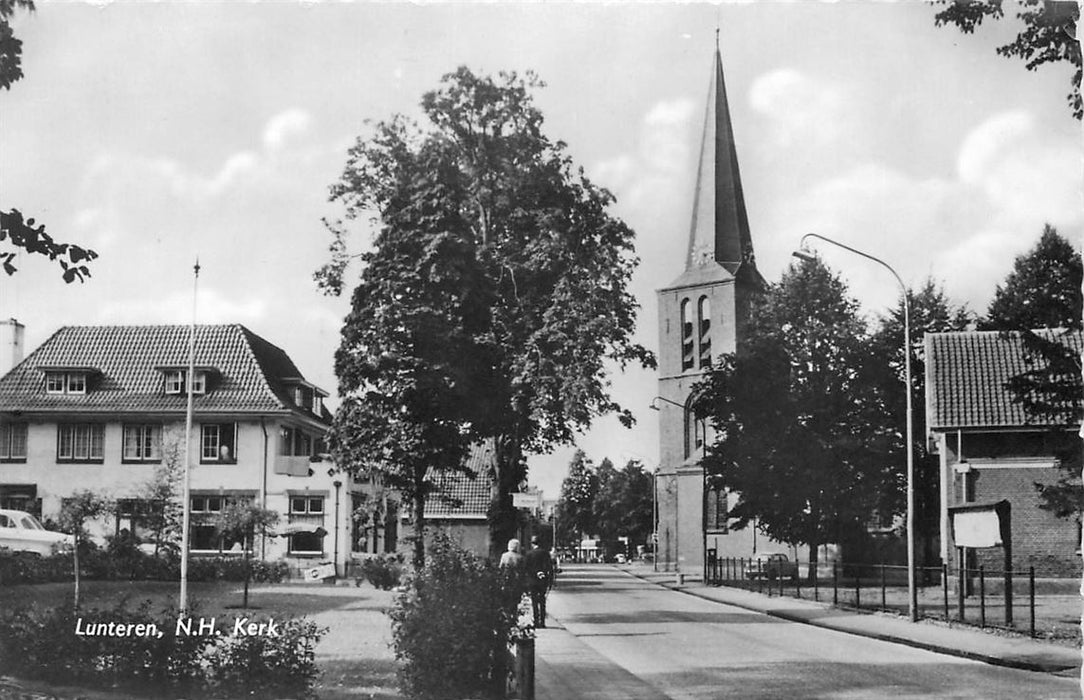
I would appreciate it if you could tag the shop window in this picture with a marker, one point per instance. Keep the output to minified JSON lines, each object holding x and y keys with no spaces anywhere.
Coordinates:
{"x":309,"y":512}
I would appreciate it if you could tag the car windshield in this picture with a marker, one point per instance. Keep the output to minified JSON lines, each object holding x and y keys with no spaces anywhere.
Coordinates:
{"x":29,"y":522}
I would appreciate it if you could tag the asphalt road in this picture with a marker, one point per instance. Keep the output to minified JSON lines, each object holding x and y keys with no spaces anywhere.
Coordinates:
{"x":687,"y":647}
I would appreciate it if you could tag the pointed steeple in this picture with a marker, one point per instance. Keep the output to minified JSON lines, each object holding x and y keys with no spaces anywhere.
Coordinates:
{"x":720,"y":227}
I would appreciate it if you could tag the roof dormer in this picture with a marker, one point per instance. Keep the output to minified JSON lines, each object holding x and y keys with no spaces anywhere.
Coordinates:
{"x":74,"y":380}
{"x":173,"y":379}
{"x":307,"y":397}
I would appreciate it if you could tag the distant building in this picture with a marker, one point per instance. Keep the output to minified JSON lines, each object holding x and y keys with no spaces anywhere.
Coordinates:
{"x":103,"y":407}
{"x":991,"y":449}
{"x":460,"y":505}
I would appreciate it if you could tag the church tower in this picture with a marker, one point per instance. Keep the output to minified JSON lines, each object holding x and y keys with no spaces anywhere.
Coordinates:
{"x":700,"y":314}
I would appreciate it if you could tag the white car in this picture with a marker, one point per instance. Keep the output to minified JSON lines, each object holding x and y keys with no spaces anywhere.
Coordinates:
{"x":21,"y":532}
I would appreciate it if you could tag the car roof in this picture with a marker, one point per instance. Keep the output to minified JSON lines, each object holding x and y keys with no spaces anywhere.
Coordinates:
{"x":13,"y":513}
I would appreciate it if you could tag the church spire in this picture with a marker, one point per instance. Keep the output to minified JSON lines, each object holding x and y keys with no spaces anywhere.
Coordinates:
{"x":720,"y":226}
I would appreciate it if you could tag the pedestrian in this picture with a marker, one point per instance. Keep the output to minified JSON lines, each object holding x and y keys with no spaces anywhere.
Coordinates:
{"x":539,"y":570}
{"x":512,"y":559}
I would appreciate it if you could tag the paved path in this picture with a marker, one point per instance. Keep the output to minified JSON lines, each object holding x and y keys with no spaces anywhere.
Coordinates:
{"x":629,"y":638}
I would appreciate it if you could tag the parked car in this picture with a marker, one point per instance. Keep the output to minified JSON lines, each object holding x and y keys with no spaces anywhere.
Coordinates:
{"x":21,"y":532}
{"x":772,"y":566}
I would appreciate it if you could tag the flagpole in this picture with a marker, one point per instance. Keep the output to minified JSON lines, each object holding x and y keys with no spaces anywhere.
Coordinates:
{"x":186,"y":503}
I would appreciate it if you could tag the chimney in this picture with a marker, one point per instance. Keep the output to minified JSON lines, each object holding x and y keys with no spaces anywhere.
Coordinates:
{"x":11,"y":344}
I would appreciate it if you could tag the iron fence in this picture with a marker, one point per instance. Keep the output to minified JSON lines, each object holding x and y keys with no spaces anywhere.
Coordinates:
{"x":970,"y":596}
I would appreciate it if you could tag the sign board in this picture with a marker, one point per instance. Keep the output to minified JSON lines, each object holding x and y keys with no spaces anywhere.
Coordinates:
{"x":527,"y":500}
{"x":320,"y":572}
{"x":980,"y":524}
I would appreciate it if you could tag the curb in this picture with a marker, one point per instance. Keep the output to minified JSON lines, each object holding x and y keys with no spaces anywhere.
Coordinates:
{"x":1020,"y":664}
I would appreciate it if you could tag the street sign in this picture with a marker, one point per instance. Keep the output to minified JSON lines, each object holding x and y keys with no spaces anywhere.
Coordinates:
{"x":530,"y":499}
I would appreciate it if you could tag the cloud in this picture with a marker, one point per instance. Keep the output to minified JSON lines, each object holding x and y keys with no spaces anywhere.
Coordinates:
{"x":800,"y":110}
{"x":963,"y":229}
{"x":285,"y":126}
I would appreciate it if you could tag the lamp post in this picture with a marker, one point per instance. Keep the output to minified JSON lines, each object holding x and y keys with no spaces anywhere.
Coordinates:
{"x":803,"y":254}
{"x":335,"y":557}
{"x":677,"y":518}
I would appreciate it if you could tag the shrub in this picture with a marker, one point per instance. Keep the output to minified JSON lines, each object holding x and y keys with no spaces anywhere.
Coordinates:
{"x":42,"y":645}
{"x":451,"y":626}
{"x":383,"y":572}
{"x":267,"y":667}
{"x":132,"y":564}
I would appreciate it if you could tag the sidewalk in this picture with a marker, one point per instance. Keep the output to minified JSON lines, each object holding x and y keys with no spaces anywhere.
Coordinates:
{"x":937,"y":636}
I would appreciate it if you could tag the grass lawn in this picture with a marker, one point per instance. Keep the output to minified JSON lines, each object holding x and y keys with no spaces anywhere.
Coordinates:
{"x":354,"y":655}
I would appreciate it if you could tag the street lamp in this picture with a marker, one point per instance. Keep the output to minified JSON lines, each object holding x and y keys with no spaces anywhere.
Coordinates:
{"x":653,"y":407}
{"x":803,"y":254}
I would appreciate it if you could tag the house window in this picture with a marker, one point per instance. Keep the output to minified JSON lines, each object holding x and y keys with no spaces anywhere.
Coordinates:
{"x":703,"y":312}
{"x":13,"y":442}
{"x":218,"y":443}
{"x":142,"y":443}
{"x":687,"y":341}
{"x":175,"y":384}
{"x":79,"y":442}
{"x":204,"y":536}
{"x":65,"y":382}
{"x":317,"y":404}
{"x":296,"y":443}
{"x":136,"y":516}
{"x":308,"y":511}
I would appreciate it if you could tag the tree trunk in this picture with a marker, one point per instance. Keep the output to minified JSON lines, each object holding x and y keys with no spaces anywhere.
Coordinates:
{"x":506,"y":477}
{"x":813,"y":559}
{"x":248,"y":574}
{"x":75,"y":560}
{"x":419,"y":530}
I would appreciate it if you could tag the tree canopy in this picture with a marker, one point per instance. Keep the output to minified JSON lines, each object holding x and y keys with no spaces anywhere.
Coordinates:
{"x":801,"y":430}
{"x":623,"y":505}
{"x":1042,"y":290}
{"x":1048,"y":33}
{"x":498,"y":273}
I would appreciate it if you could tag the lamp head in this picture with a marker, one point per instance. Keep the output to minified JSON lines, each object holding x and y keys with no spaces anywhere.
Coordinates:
{"x":804,"y":256}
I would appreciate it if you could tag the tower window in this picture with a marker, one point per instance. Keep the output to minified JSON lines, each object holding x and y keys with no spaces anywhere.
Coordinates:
{"x":703,"y":310}
{"x":688,"y":348}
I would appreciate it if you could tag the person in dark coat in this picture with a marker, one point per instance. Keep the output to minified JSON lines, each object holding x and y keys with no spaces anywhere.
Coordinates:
{"x":538,"y":566}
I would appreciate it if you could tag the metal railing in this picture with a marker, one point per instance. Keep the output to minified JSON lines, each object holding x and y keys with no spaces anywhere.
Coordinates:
{"x":969,"y":596}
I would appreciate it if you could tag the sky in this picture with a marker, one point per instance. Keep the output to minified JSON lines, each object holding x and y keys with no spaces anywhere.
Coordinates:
{"x":156,"y":133}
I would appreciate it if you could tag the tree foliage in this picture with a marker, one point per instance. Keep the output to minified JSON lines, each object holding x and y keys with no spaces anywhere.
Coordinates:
{"x":11,"y":49}
{"x":931,"y":311}
{"x":1048,"y":35}
{"x":623,"y":505}
{"x":801,"y":430}
{"x":1043,"y":291}
{"x":513,"y":250}
{"x":77,"y":510}
{"x":243,"y":522}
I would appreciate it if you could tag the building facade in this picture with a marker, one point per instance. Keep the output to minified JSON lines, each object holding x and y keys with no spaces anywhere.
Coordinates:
{"x":103,"y":408}
{"x":991,"y":450}
{"x":701,"y":314}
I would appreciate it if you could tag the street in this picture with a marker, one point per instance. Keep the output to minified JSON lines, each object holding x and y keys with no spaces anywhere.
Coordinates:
{"x":687,"y":647}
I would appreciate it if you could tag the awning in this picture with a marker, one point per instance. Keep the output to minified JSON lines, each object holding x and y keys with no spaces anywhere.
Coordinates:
{"x":291,"y":529}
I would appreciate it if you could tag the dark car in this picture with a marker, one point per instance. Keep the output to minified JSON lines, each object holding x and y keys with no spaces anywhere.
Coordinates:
{"x":772,"y":566}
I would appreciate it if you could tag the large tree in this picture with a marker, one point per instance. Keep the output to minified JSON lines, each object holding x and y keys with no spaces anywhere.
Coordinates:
{"x":1043,"y":291}
{"x":801,"y":430}
{"x":931,"y":311}
{"x":623,"y":506}
{"x":576,"y":506}
{"x":1047,"y":33}
{"x":15,"y":231}
{"x":542,"y":268}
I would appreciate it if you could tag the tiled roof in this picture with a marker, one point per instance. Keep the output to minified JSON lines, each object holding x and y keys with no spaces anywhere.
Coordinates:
{"x":966,"y":374}
{"x":129,"y":360}
{"x":461,"y":494}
